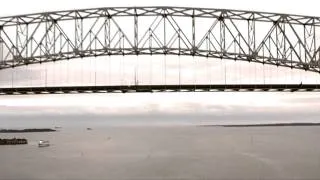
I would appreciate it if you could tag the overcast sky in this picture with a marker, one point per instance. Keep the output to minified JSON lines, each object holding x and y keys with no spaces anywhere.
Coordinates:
{"x":273,"y":105}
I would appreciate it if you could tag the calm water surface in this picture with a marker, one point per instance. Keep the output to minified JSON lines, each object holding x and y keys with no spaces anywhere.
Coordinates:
{"x":188,"y":152}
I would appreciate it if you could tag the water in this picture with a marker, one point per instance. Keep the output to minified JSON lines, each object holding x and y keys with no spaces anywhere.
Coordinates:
{"x":172,"y":152}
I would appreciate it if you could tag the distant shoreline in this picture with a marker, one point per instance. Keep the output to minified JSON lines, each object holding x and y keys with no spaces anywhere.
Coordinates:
{"x":26,"y":130}
{"x":264,"y":125}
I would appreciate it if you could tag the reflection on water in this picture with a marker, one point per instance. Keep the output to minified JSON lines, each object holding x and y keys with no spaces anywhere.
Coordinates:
{"x":188,"y":152}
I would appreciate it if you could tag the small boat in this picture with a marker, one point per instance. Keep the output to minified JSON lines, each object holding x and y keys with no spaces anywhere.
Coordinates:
{"x":89,"y":129}
{"x":43,"y":143}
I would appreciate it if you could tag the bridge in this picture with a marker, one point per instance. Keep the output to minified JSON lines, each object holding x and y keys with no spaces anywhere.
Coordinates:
{"x":280,"y":40}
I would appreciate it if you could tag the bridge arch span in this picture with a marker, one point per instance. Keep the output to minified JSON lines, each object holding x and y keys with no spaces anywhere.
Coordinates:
{"x":268,"y":38}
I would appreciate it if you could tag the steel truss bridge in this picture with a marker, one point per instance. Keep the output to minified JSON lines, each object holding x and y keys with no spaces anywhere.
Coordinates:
{"x":269,"y":38}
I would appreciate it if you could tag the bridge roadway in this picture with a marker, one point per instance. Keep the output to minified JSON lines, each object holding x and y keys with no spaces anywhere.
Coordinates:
{"x":163,"y":88}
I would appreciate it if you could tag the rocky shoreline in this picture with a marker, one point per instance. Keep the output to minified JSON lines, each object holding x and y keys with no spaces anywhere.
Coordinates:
{"x":13,"y":141}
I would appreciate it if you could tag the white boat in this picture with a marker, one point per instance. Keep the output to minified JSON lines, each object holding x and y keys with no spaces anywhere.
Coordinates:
{"x":43,"y":143}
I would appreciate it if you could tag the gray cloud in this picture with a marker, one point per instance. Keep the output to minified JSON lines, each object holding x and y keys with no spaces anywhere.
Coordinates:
{"x":315,"y":100}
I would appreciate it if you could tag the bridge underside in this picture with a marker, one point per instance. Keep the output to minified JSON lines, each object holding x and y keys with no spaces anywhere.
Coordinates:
{"x":164,"y":88}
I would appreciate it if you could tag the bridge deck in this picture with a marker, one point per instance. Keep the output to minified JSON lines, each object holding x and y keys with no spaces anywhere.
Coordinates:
{"x":163,"y":88}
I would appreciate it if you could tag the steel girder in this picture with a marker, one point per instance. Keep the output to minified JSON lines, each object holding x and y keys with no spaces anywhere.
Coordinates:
{"x":268,"y":38}
{"x":164,"y":88}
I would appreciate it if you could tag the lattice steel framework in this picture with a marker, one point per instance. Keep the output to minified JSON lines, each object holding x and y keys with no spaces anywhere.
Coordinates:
{"x":269,"y":38}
